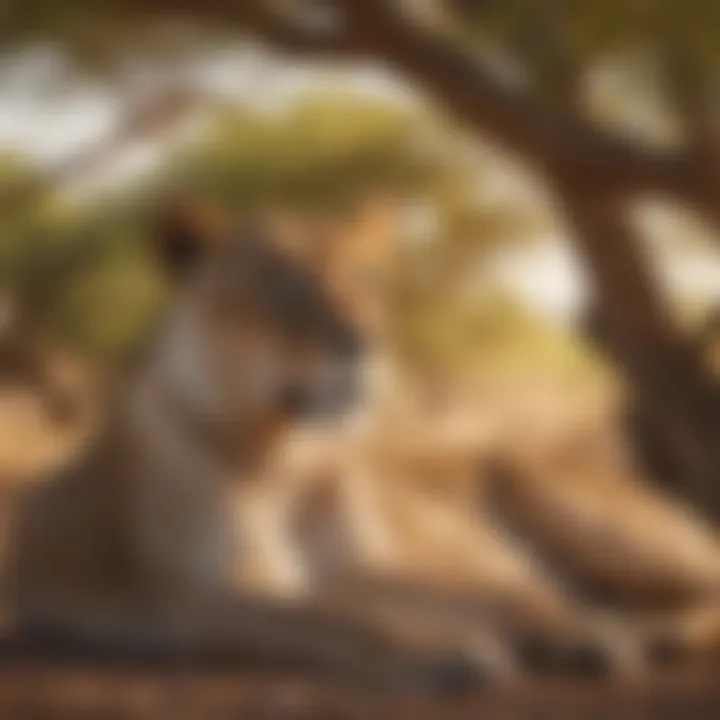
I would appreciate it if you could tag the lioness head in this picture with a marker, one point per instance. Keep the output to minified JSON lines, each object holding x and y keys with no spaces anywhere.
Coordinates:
{"x":252,"y":333}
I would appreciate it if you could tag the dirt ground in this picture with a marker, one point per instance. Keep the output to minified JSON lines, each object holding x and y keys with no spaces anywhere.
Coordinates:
{"x":40,"y":690}
{"x":35,"y":687}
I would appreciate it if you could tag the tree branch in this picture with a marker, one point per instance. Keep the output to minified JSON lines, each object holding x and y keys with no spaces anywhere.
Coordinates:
{"x":378,"y":29}
{"x":513,"y":118}
{"x":259,"y":18}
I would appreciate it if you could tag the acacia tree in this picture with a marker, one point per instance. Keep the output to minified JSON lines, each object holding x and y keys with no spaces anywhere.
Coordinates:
{"x":516,"y":72}
{"x":79,"y":276}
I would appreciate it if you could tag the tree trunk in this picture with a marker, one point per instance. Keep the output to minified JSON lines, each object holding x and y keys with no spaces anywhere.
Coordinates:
{"x":673,"y":410}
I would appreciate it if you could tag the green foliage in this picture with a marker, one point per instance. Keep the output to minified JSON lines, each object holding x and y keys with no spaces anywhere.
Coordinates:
{"x":100,"y":37}
{"x":593,"y":27}
{"x":109,"y":305}
{"x":77,"y":272}
{"x":86,"y":273}
{"x":321,"y":151}
{"x":493,"y":338}
{"x":546,"y":36}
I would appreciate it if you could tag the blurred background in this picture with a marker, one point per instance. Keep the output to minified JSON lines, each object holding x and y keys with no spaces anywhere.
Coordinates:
{"x":532,"y":184}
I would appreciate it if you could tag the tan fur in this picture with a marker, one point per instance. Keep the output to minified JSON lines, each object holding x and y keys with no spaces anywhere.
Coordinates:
{"x":353,"y":528}
{"x":584,"y":507}
{"x":407,"y":518}
{"x":369,"y":518}
{"x":134,"y":543}
{"x":387,"y":520}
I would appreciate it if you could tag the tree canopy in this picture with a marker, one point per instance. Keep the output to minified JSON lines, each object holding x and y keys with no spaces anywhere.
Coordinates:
{"x":522,"y":74}
{"x":84,"y":266}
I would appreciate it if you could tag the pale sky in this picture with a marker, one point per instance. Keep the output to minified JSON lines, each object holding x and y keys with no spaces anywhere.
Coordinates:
{"x":40,"y":117}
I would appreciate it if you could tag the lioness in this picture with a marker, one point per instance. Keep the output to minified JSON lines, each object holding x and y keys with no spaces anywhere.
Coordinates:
{"x":535,"y":554}
{"x":132,"y":545}
{"x":347,"y":516}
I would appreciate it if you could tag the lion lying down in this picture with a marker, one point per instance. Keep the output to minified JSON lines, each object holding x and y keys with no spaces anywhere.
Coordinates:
{"x":552,"y":557}
{"x":199,"y":520}
{"x":131,"y":547}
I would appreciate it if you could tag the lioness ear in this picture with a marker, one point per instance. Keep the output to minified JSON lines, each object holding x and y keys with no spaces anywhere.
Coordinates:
{"x":186,"y":231}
